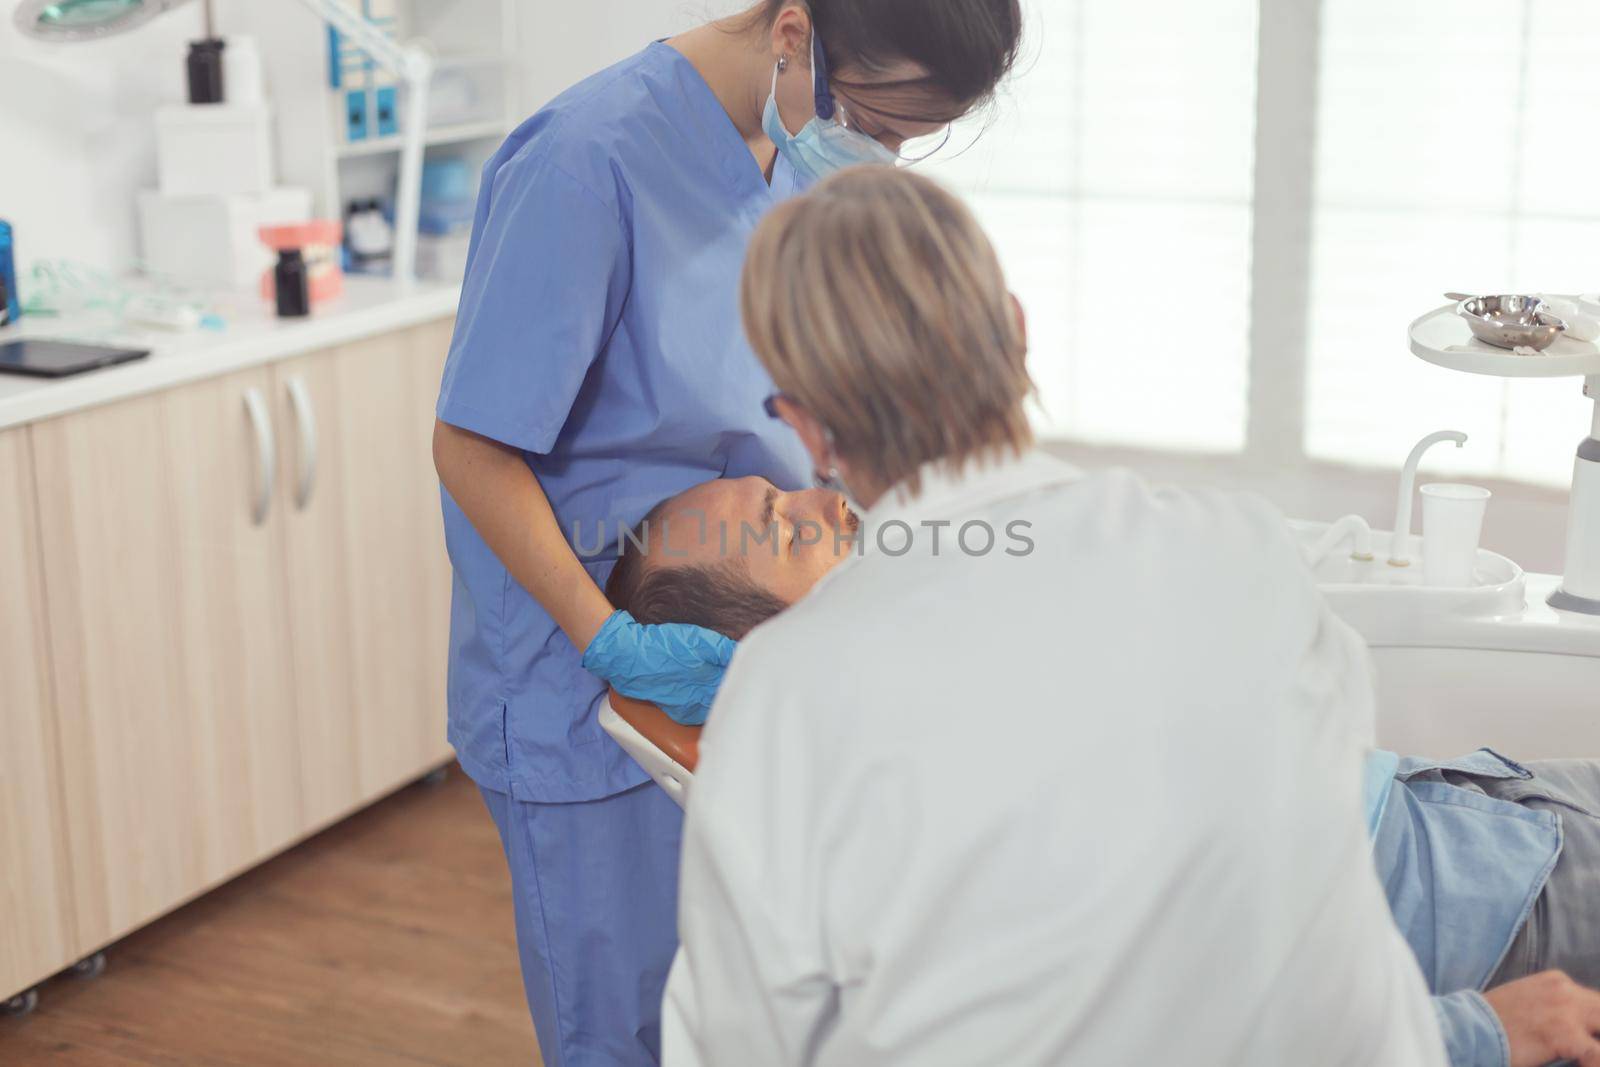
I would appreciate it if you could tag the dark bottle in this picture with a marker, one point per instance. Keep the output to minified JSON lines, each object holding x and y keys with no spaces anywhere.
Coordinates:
{"x":292,"y":284}
{"x":205,"y":71}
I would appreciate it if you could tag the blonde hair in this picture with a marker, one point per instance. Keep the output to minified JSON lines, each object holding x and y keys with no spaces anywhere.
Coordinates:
{"x":877,"y":304}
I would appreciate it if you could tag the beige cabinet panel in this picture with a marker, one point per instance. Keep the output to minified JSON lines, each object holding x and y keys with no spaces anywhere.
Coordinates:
{"x":37,"y":936}
{"x":430,"y":344}
{"x":367,"y":577}
{"x":168,"y":629}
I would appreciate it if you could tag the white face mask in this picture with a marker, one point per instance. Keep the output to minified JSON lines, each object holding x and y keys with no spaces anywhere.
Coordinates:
{"x":823,"y":145}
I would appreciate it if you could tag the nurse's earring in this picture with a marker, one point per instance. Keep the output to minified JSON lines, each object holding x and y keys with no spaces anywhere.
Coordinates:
{"x":783,"y":64}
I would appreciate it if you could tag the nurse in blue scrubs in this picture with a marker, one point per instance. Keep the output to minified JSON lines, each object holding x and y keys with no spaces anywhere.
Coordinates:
{"x":598,"y":366}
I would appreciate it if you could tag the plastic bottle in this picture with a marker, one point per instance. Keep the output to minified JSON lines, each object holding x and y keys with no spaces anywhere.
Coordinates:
{"x":205,"y":71}
{"x":10,"y":304}
{"x":292,"y":284}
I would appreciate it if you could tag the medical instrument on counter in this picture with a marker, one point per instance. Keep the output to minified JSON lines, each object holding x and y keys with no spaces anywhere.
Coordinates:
{"x":66,"y":21}
{"x":10,"y":303}
{"x":37,"y":358}
{"x":1452,"y":523}
{"x":1400,"y":540}
{"x":1509,"y":320}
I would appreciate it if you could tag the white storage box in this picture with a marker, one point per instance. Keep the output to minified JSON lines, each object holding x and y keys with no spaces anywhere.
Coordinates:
{"x":212,"y":149}
{"x":210,"y":241}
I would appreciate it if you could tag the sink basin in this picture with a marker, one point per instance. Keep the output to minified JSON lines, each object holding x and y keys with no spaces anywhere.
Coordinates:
{"x":1377,"y":599}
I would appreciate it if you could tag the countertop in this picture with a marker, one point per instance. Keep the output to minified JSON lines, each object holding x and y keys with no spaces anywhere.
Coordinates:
{"x":252,"y":336}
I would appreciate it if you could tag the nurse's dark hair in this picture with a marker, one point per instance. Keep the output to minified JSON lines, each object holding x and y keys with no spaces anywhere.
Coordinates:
{"x":966,"y":46}
{"x":719,"y":596}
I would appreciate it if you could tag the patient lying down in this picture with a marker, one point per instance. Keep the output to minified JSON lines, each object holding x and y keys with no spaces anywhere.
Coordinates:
{"x":730,"y":554}
{"x":1464,"y":847}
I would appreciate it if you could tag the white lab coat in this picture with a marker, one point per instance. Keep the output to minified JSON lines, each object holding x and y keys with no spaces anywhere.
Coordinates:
{"x":1097,"y":804}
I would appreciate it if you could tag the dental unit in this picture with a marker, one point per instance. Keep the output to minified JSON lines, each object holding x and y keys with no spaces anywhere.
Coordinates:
{"x":1352,"y":529}
{"x":1468,"y":652}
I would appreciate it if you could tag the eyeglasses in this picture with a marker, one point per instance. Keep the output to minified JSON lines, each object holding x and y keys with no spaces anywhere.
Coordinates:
{"x":828,"y":107}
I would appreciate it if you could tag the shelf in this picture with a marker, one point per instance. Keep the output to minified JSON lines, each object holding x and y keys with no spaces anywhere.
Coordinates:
{"x":1442,"y":337}
{"x":466,"y":131}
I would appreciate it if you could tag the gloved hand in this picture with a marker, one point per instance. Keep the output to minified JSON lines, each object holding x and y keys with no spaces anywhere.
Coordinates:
{"x":676,"y":667}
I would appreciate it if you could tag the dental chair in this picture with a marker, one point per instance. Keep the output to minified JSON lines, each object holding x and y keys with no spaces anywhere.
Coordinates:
{"x":667,"y":750}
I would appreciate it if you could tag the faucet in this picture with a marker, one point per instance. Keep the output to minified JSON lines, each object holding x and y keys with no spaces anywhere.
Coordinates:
{"x":1352,"y":528}
{"x":1400,"y":540}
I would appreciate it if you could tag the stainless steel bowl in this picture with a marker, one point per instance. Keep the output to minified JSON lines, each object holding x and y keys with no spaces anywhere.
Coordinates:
{"x":1511,"y":321}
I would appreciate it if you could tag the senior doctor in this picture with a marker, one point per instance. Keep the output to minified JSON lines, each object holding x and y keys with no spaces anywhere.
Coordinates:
{"x":965,"y":806}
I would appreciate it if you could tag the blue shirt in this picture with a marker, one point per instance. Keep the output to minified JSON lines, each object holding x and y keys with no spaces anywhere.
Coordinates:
{"x":598,"y":333}
{"x":1462,"y":871}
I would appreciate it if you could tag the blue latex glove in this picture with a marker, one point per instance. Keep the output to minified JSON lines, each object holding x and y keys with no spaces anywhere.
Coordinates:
{"x":676,"y":667}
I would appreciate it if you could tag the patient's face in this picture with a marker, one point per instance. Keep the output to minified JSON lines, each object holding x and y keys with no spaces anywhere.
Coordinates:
{"x":787,"y":540}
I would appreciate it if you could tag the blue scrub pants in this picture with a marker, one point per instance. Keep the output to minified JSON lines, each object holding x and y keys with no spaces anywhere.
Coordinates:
{"x":596,"y":885}
{"x":597,"y":920}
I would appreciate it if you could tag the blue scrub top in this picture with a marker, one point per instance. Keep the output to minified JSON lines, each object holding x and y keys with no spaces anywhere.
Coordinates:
{"x":599,"y":333}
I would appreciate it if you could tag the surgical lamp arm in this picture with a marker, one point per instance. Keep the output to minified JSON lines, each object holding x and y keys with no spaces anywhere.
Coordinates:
{"x":414,"y":66}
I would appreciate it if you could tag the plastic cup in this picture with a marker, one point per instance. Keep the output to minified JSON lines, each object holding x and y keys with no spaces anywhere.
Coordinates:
{"x":1452,"y":522}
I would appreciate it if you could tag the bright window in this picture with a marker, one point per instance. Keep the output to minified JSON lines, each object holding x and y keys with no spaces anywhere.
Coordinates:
{"x":1449,"y":155}
{"x":1451,"y":151}
{"x":1115,"y":178}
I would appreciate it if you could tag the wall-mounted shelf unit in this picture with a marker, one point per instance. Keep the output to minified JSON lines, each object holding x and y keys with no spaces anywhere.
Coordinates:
{"x":474,"y":98}
{"x":443,"y":135}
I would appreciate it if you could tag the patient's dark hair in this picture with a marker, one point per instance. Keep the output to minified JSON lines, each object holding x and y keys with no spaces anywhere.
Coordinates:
{"x":719,"y":596}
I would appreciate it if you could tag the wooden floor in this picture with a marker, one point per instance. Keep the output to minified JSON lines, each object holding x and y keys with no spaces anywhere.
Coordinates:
{"x":384,"y":940}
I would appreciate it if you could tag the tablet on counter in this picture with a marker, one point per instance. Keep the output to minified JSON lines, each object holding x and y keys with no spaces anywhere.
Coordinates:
{"x":57,"y":359}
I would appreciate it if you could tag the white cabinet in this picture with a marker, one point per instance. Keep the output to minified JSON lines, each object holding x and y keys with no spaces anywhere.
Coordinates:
{"x":369,"y":582}
{"x":169,"y":638}
{"x":224,"y":610}
{"x":37,"y":935}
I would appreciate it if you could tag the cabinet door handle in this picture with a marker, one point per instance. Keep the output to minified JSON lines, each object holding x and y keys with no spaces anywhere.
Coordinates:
{"x":305,"y":420}
{"x":266,"y":454}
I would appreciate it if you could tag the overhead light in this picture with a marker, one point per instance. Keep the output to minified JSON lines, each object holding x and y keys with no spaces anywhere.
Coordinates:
{"x":86,"y":20}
